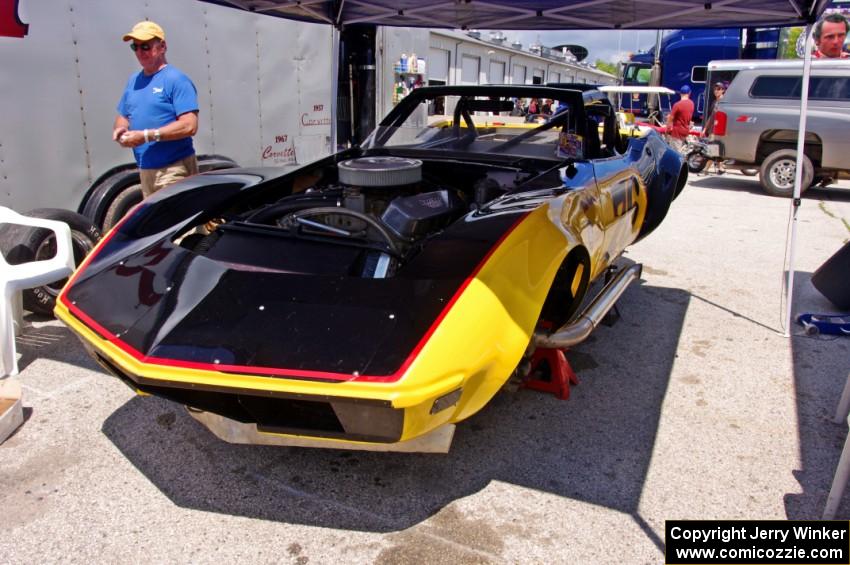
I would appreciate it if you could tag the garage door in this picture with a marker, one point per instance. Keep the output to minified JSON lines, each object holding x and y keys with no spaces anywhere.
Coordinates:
{"x":469,"y":70}
{"x":496,"y":75}
{"x":519,"y":74}
{"x":438,"y":65}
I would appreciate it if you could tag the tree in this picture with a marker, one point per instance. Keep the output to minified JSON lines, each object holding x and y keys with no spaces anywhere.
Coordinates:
{"x":607,"y":67}
{"x":788,"y":42}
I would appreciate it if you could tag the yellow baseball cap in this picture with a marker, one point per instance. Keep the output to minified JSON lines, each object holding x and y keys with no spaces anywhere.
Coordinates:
{"x":145,"y":31}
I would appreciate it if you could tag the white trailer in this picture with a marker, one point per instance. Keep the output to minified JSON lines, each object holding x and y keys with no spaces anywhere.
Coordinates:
{"x":264,"y":90}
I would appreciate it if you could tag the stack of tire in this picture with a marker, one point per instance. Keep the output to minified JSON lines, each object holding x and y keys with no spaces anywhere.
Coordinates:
{"x":22,"y":244}
{"x":114,"y":194}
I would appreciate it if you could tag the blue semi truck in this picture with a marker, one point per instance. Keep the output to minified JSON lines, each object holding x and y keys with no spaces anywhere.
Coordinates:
{"x":685,"y":53}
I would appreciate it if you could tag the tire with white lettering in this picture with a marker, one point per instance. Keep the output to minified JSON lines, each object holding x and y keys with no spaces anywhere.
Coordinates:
{"x":21,"y":244}
{"x":779,"y":169}
{"x":121,"y":204}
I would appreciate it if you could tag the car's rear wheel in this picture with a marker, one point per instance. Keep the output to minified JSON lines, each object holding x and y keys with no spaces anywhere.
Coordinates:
{"x":778,"y":170}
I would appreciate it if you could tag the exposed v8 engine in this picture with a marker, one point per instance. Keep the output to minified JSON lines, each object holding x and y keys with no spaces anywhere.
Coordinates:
{"x":379,"y":209}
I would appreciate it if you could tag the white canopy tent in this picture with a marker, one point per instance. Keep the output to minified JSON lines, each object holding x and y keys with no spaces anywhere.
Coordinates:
{"x":543,"y":14}
{"x":572,"y":14}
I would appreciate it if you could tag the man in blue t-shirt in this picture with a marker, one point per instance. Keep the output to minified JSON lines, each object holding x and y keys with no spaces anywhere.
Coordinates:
{"x":158,"y":113}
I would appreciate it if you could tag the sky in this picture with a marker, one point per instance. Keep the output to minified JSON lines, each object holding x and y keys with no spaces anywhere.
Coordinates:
{"x":601,"y":44}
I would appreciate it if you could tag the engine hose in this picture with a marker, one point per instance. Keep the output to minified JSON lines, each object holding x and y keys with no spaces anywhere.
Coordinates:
{"x":286,"y":207}
{"x":359,"y":215}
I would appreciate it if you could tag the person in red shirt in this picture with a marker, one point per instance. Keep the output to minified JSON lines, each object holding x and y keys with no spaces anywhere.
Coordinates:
{"x":679,"y":119}
{"x":829,"y":34}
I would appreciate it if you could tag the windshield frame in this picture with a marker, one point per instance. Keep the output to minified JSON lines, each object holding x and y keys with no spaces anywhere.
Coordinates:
{"x":497,"y":126}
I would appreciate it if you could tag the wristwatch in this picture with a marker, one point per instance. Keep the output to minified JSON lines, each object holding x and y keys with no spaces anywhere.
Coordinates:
{"x":156,"y":135}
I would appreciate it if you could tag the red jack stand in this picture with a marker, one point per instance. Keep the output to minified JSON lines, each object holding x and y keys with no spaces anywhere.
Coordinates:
{"x":561,"y":375}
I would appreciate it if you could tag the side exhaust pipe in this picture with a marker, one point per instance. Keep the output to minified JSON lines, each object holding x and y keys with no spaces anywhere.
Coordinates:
{"x":575,"y":332}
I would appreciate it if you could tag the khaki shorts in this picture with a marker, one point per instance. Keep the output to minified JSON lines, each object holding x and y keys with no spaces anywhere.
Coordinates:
{"x":155,"y":179}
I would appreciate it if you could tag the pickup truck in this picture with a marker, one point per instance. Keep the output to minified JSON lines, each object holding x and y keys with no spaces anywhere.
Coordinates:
{"x":757,"y":120}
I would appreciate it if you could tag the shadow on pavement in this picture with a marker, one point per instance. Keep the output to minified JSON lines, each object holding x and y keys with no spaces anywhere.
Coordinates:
{"x":594,"y":448}
{"x":821,"y":368}
{"x":740,"y":183}
{"x":54,"y":341}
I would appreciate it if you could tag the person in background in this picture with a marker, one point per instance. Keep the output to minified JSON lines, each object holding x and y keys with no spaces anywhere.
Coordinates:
{"x":718,"y":90}
{"x":829,"y":34}
{"x":517,"y":109}
{"x":534,"y":106}
{"x":547,"y":107}
{"x":679,"y":119}
{"x":158,"y":113}
{"x":561,"y":106}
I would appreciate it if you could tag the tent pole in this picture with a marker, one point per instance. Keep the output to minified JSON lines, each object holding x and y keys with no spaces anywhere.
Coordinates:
{"x":334,"y":86}
{"x":653,"y":101}
{"x":791,"y":243}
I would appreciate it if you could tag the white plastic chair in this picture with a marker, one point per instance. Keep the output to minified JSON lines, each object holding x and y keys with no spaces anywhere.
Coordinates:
{"x":842,"y":471}
{"x":15,"y":278}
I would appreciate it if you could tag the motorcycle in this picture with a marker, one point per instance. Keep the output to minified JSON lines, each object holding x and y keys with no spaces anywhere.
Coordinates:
{"x":699,"y":153}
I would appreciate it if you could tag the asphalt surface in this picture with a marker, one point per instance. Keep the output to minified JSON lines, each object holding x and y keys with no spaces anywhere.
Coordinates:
{"x":693,"y":406}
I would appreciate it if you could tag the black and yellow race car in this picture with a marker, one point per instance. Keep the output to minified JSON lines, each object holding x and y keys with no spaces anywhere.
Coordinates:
{"x":376,"y":297}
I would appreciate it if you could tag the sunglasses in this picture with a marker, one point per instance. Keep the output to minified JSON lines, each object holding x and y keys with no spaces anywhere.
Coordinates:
{"x":142,"y":46}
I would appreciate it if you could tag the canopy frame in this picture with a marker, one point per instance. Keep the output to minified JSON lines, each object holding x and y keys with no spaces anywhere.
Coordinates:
{"x":542,"y":14}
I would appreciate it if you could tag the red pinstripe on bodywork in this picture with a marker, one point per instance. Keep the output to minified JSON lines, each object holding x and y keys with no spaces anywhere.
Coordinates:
{"x":293,"y":373}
